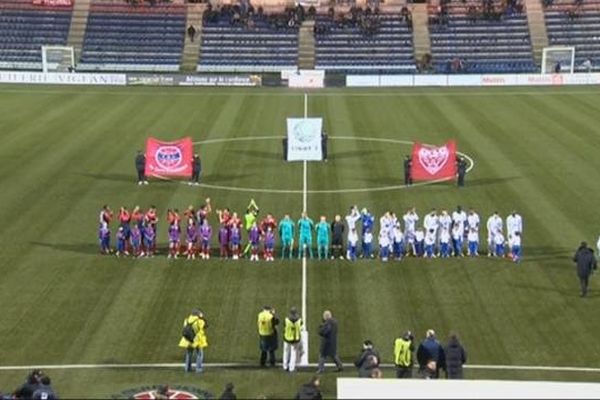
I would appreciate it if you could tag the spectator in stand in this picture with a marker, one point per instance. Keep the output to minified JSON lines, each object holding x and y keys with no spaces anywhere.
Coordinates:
{"x":228,"y":393}
{"x":367,"y":360}
{"x":456,"y":356}
{"x":32,"y":383}
{"x":44,"y":390}
{"x":310,"y":390}
{"x":430,"y":356}
{"x":191,"y":31}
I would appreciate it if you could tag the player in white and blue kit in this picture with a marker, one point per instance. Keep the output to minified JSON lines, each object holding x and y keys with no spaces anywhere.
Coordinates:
{"x":398,"y":243}
{"x":384,"y":246}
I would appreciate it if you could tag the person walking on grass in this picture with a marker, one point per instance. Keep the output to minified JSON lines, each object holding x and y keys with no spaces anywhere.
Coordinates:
{"x":328,"y":331}
{"x":586,"y":264}
{"x":194,"y":340}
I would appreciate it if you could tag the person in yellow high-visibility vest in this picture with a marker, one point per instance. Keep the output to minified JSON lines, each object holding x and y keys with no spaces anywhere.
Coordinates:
{"x":403,"y":355}
{"x":292,"y":345}
{"x":267,"y":332}
{"x":198,"y":343}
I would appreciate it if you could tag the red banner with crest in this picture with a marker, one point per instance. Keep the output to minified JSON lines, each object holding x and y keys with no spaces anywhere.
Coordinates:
{"x":433,"y":163}
{"x":169,"y":158}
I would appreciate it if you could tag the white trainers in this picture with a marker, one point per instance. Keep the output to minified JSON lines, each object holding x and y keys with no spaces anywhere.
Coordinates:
{"x":145,"y":182}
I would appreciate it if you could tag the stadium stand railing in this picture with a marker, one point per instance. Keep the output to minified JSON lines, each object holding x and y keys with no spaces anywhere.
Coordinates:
{"x":123,"y":37}
{"x":464,"y":40}
{"x":26,"y":27}
{"x":349,"y":48}
{"x":577,"y":25}
{"x":260,"y":45}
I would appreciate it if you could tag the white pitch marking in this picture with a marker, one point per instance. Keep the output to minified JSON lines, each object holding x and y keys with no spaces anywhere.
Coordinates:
{"x":328,"y":191}
{"x":245,"y":365}
{"x":59,"y":90}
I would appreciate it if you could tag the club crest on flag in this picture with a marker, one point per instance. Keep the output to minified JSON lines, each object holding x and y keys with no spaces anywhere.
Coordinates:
{"x":433,"y":163}
{"x":433,"y":159}
{"x":168,"y":157}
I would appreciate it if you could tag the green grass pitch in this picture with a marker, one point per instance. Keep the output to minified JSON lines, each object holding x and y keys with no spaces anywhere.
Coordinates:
{"x":66,"y":151}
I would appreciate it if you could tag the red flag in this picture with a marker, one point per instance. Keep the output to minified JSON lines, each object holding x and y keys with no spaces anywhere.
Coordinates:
{"x":433,"y":163}
{"x":169,"y":158}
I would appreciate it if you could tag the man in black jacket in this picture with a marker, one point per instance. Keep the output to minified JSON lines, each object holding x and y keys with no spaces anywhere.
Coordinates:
{"x":328,"y":332}
{"x":407,"y":170}
{"x":196,"y":169}
{"x":456,"y":356}
{"x":140,"y":166}
{"x":586,"y":264}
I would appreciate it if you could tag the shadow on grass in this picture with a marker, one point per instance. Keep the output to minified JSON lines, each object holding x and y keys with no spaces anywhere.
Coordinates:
{"x":264,"y":154}
{"x":218,"y":177}
{"x":540,"y":253}
{"x":489,"y":181}
{"x":121,"y":177}
{"x":79,"y":248}
{"x":572,"y":293}
{"x":339,"y":155}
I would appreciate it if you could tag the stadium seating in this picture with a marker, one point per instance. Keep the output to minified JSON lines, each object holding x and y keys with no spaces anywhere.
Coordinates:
{"x":568,"y":25}
{"x":120,"y":37}
{"x":482,"y":46}
{"x":261,"y":48}
{"x":25,"y":28}
{"x":347,"y":49}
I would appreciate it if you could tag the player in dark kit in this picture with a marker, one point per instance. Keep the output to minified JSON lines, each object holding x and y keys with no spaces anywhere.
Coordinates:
{"x":196,"y":168}
{"x":461,"y":166}
{"x":140,"y":166}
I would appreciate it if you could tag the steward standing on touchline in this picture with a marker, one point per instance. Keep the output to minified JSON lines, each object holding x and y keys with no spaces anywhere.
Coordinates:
{"x":292,"y":346}
{"x":194,"y":340}
{"x":267,"y":332}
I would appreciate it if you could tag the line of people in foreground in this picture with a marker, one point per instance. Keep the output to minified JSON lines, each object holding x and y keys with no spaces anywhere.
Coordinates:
{"x":441,"y":234}
{"x":431,"y":355}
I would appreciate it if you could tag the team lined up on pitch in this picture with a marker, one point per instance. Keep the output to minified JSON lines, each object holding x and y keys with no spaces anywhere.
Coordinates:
{"x":441,"y":234}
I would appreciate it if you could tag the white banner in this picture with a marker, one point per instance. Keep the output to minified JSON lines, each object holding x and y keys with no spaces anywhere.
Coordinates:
{"x":304,"y":139}
{"x":357,"y":388}
{"x":307,"y":78}
{"x":473,"y":80}
{"x":62,"y":78}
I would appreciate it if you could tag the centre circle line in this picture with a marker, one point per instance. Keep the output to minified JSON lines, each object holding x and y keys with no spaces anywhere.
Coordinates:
{"x":326,"y":191}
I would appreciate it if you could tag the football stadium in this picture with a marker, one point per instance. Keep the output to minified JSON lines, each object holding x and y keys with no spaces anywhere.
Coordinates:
{"x":299,"y":199}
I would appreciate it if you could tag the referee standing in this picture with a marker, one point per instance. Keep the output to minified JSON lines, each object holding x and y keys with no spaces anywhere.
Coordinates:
{"x":140,"y":166}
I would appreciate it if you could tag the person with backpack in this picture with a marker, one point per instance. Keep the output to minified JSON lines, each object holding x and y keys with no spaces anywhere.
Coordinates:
{"x":193,"y":340}
{"x":403,"y":355}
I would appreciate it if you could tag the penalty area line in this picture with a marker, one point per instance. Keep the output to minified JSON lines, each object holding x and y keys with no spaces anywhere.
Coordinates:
{"x":253,"y":366}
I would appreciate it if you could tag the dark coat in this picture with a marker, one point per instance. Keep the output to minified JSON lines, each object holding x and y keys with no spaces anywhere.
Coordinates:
{"x":140,"y":162}
{"x":196,"y":165}
{"x":586,"y":262}
{"x":362,"y":357}
{"x":308,"y":392}
{"x":430,"y":350}
{"x":328,"y":332}
{"x":456,"y":356}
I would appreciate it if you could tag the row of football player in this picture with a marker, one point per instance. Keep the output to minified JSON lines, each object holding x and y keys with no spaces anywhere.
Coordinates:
{"x":141,"y":242}
{"x":439,"y":228}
